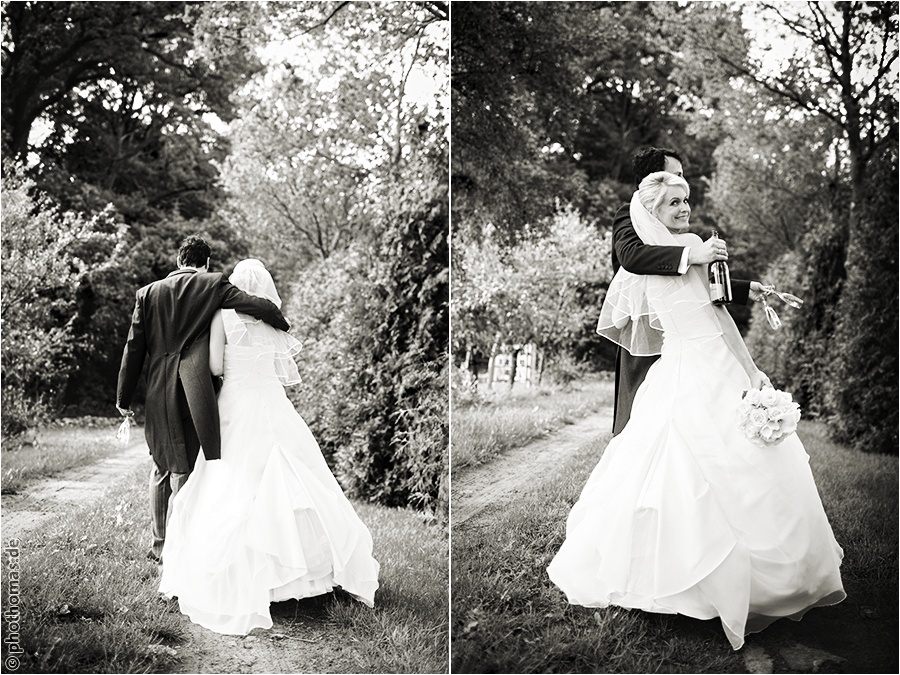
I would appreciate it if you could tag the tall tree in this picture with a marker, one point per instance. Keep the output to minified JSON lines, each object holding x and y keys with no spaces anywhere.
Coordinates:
{"x":113,"y":100}
{"x":348,"y":114}
{"x":837,"y":60}
{"x":515,"y":80}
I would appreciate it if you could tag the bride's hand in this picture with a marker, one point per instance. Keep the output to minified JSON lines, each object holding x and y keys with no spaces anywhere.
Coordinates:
{"x":759,"y":379}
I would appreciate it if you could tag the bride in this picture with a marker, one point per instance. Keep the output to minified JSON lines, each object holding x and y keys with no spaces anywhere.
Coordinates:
{"x":268,"y":521}
{"x":683,"y":514}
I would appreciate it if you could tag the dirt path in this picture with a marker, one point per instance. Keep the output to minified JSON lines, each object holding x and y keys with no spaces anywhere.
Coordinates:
{"x":301,"y":640}
{"x":38,"y":502}
{"x":479,"y":491}
{"x":305,"y":646}
{"x":477,"y":488}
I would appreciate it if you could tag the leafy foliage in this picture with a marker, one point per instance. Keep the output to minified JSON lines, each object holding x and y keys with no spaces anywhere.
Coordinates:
{"x":543,"y":289}
{"x":861,"y":382}
{"x":375,"y":332}
{"x":799,"y":354}
{"x":767,"y":174}
{"x":514,"y":82}
{"x":47,"y":255}
{"x":551,"y":100}
{"x":329,"y":131}
{"x":119,"y":103}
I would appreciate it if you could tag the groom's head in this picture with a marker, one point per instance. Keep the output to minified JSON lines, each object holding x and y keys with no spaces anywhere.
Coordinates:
{"x":651,"y":160}
{"x":194,"y":252}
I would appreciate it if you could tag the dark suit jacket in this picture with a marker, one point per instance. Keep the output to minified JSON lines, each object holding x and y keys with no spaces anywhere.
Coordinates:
{"x":630,"y":252}
{"x":170,"y":329}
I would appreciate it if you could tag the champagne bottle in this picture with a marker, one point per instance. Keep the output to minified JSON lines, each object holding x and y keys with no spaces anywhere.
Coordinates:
{"x":719,"y":280}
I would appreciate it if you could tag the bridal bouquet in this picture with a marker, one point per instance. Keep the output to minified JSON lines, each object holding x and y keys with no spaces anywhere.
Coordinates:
{"x":767,"y":416}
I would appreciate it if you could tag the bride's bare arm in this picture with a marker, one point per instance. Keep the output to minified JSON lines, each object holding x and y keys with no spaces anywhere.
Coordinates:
{"x":735,"y":343}
{"x":217,"y":345}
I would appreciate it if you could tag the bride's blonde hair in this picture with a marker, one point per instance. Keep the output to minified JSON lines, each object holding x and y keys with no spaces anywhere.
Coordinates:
{"x":652,"y":189}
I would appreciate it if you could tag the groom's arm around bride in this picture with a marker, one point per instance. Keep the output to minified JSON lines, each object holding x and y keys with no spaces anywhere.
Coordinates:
{"x":170,"y":332}
{"x":630,"y":252}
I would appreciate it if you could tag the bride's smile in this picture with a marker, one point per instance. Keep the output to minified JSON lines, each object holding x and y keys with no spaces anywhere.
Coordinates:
{"x":675,"y":210}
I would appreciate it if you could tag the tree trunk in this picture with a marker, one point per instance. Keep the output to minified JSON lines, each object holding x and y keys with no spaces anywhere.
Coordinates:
{"x":491,"y":360}
{"x":513,"y":366}
{"x":540,"y":365}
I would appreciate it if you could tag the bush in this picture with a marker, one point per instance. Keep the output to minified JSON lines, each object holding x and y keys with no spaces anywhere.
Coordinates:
{"x":775,"y":352}
{"x":374,"y":366}
{"x":46,"y":254}
{"x":798,"y":356}
{"x":861,"y":384}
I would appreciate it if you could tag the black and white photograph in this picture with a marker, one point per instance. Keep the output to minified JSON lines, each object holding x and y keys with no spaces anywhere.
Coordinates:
{"x":674,"y":337}
{"x":414,"y":336}
{"x":225,"y":281}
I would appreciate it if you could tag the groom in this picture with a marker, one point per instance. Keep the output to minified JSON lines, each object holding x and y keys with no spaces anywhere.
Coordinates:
{"x":634,"y":255}
{"x":170,"y":330}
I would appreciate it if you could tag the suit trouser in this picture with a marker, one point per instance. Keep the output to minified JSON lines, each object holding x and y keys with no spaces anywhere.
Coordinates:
{"x":630,"y":374}
{"x":164,"y":485}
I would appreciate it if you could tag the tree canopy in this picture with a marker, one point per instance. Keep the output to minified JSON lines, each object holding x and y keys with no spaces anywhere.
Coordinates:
{"x":297,"y":133}
{"x":777,"y":108}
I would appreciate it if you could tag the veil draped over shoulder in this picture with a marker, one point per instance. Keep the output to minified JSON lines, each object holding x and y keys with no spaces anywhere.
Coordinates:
{"x":638,"y":307}
{"x":253,"y":278}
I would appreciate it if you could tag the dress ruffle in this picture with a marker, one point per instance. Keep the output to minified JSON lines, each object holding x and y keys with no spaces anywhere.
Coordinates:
{"x":266,"y":522}
{"x":683,"y":515}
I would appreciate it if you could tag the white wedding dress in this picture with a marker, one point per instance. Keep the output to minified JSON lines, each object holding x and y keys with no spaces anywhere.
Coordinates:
{"x":684,"y":515}
{"x":267,"y":521}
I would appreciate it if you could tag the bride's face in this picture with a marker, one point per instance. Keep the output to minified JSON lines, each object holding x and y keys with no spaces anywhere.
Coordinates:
{"x":675,"y":211}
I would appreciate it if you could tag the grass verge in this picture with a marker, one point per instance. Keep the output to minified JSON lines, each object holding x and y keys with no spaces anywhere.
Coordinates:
{"x":88,"y":600}
{"x":59,"y":448}
{"x":509,"y":618}
{"x":503,"y":420}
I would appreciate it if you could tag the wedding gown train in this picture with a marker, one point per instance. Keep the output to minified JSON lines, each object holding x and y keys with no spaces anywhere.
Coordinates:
{"x":683,"y":515}
{"x":267,"y":521}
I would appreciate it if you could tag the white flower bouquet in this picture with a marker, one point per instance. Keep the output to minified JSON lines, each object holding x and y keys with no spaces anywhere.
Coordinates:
{"x":767,"y":416}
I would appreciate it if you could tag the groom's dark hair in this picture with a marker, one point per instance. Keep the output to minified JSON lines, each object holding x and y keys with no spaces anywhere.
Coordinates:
{"x":194,"y":252}
{"x":651,"y":160}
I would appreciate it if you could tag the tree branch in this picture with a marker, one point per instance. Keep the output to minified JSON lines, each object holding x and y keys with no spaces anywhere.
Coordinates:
{"x":439,"y":10}
{"x":328,"y":18}
{"x":783,"y":91}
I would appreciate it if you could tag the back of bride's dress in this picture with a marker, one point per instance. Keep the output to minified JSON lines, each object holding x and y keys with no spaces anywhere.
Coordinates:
{"x":684,"y":515}
{"x":268,"y":521}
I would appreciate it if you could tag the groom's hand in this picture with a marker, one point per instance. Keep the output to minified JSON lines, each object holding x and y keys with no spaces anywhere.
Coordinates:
{"x":757,"y":290}
{"x":709,"y":251}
